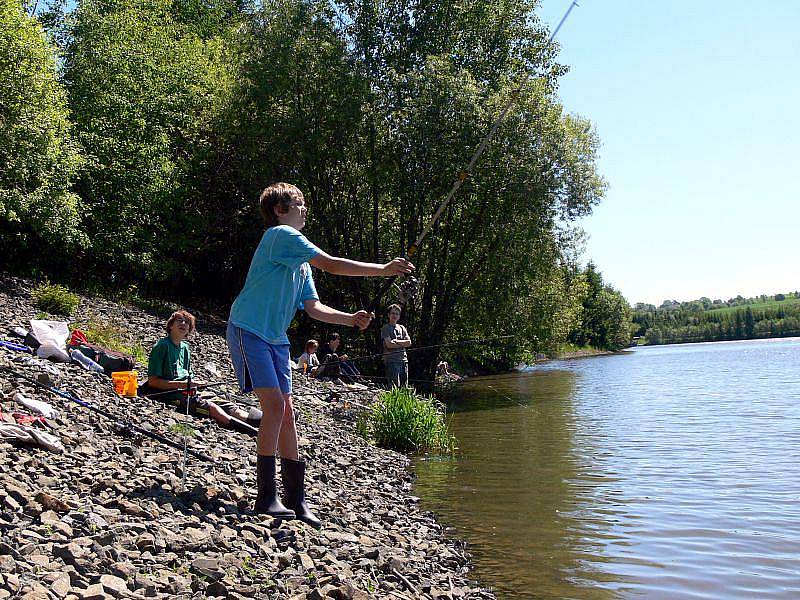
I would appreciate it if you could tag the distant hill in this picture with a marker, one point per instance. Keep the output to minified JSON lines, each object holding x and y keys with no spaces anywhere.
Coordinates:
{"x":706,"y":320}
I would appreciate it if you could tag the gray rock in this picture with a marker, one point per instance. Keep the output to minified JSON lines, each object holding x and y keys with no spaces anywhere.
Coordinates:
{"x":61,"y":586}
{"x":93,"y":592}
{"x":70,"y":553}
{"x":114,"y":585}
{"x":217,"y":590}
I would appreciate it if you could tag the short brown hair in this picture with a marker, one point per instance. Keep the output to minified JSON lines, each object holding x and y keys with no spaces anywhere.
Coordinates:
{"x":278,"y":194}
{"x":310,"y":343}
{"x":395,"y":307}
{"x":178,"y":314}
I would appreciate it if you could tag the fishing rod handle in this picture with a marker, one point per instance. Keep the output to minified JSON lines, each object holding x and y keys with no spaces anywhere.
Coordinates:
{"x":381,"y":292}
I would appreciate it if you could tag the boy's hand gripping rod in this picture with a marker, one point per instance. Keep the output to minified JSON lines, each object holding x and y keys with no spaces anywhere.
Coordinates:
{"x":464,"y":174}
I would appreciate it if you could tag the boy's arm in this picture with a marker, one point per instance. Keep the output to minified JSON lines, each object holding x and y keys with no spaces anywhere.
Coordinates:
{"x":321,"y":312}
{"x":354,"y":268}
{"x":396,"y":344}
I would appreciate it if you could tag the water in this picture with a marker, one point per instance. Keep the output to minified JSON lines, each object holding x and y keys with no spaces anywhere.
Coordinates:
{"x":665,"y":472}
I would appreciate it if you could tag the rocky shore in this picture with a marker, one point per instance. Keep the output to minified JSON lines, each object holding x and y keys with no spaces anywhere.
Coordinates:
{"x":110,"y":518}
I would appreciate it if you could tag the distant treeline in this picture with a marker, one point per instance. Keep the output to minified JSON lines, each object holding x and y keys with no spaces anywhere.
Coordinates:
{"x":135,"y":136}
{"x":706,"y":320}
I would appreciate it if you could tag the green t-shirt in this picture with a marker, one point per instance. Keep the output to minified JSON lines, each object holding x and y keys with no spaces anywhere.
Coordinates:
{"x":169,"y":361}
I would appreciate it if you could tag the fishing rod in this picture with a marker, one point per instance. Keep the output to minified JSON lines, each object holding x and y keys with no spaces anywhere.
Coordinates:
{"x":242,"y":399}
{"x":188,"y":400}
{"x":300,"y":391}
{"x":122,"y":424}
{"x":441,"y":383}
{"x":464,"y":174}
{"x":188,"y":390}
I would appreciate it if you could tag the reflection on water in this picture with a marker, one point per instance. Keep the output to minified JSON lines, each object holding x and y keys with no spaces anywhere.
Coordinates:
{"x":669,"y":472}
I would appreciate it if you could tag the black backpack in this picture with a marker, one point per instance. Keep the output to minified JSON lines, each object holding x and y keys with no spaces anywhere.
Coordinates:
{"x":110,"y":360}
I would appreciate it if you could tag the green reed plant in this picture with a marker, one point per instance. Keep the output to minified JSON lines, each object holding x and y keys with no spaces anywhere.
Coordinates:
{"x":54,"y":299}
{"x":403,"y":420}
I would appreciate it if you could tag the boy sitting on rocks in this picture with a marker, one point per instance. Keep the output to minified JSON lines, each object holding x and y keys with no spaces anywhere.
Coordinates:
{"x":168,"y":379}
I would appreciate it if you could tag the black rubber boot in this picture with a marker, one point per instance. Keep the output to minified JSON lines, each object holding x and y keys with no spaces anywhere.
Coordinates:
{"x":267,"y":502}
{"x":293,"y":475}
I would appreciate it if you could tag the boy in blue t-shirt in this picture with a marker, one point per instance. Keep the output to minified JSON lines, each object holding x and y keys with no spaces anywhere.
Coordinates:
{"x":279,"y":283}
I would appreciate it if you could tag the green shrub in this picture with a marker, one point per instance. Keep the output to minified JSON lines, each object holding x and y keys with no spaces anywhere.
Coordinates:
{"x":404,"y":421}
{"x":54,"y":299}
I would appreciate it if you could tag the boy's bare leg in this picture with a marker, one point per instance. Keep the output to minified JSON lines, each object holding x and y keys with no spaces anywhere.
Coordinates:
{"x":272,"y":405}
{"x":287,"y":441}
{"x":219,"y":415}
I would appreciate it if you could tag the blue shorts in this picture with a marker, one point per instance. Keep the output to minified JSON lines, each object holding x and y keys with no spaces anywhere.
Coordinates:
{"x":258,"y":364}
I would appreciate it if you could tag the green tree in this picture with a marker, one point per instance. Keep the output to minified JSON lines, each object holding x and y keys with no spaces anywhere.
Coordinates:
{"x":39,"y":157}
{"x":749,"y":323}
{"x":606,"y":318}
{"x":374,"y":112}
{"x":145,"y":80}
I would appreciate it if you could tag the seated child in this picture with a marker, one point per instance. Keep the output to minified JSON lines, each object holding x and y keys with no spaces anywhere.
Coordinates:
{"x":337,"y":366}
{"x":308,"y":361}
{"x":444,"y":375}
{"x":168,"y":370}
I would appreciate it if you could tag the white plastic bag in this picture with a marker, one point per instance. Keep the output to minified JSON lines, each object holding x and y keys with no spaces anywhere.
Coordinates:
{"x":48,"y":349}
{"x":55,"y":331}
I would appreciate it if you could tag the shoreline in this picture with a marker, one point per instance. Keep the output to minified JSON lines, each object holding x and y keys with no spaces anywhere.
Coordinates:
{"x":583,"y":353}
{"x":108,"y":517}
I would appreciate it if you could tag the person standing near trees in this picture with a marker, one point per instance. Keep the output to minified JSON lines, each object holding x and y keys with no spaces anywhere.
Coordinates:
{"x":278,"y":283}
{"x":395,"y":340}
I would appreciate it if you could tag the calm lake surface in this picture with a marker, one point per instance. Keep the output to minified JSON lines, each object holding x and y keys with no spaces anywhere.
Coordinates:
{"x":664,"y":472}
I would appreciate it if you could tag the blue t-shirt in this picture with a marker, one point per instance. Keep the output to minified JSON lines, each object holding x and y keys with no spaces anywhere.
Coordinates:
{"x":278,"y":283}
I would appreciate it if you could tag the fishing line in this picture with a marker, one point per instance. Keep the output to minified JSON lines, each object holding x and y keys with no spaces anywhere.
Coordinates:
{"x":383,"y":377}
{"x":467,"y":171}
{"x":445,"y":345}
{"x":509,"y":398}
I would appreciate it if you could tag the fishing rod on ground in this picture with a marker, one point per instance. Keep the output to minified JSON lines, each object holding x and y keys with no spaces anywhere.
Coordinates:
{"x":122,"y":424}
{"x":462,"y":176}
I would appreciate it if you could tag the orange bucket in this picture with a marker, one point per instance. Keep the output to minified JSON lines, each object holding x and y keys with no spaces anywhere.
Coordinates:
{"x":125,"y":382}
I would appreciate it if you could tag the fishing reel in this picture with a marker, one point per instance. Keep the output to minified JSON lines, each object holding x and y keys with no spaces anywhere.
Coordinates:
{"x":407,"y":289}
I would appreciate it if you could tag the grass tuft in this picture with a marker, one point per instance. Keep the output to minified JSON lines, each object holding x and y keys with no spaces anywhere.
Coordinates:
{"x":404,"y":421}
{"x":54,"y":299}
{"x":114,"y":336}
{"x":183,"y":429}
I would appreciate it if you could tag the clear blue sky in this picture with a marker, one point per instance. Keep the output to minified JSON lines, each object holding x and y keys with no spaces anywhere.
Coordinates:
{"x":697,"y":104}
